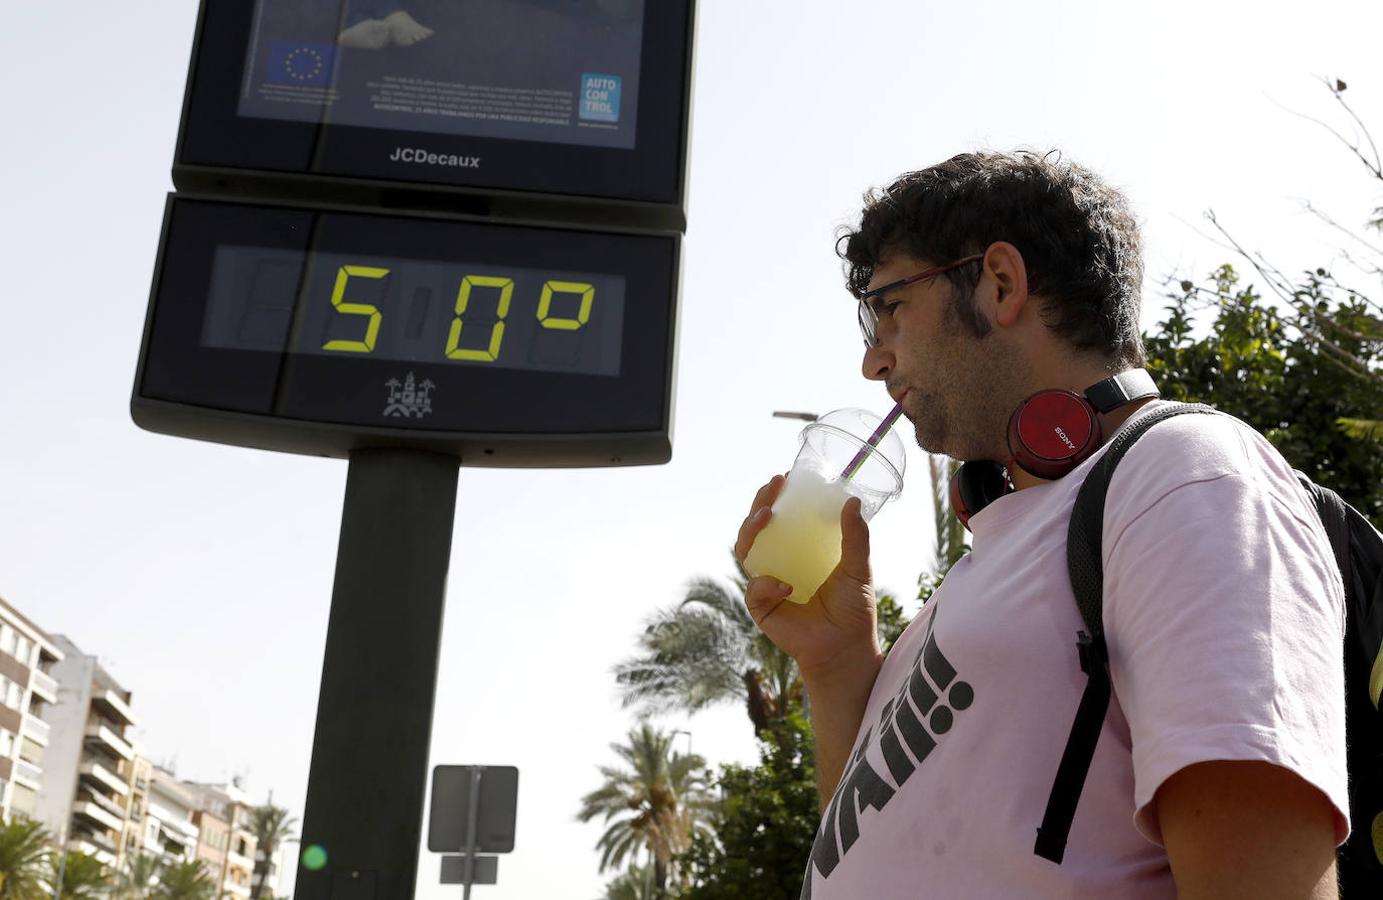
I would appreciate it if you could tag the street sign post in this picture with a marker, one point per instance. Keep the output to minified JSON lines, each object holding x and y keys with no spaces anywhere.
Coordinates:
{"x":473,"y":811}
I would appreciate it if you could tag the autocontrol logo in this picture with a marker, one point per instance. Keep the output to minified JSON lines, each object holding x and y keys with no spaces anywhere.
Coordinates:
{"x":423,"y":157}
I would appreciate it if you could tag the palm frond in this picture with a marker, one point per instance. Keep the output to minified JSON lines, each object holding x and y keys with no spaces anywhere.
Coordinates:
{"x":1362,"y":429}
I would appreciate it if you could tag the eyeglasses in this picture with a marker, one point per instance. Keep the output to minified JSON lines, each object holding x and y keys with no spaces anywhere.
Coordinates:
{"x":869,"y":313}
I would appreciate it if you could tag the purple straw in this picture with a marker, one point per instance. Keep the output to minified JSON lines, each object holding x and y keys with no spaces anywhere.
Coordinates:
{"x":873,"y":441}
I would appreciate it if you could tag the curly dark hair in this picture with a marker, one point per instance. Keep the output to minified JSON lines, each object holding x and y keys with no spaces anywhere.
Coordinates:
{"x":1078,"y":238}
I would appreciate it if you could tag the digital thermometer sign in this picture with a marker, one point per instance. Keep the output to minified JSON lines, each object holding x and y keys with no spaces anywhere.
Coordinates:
{"x":322,"y":330}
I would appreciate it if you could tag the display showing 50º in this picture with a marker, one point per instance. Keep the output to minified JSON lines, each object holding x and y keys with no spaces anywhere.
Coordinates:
{"x":454,"y":350}
{"x":406,"y":309}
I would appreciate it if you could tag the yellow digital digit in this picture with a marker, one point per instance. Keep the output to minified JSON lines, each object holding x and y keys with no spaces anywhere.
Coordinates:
{"x":583,"y":315}
{"x":463,"y":300}
{"x":338,"y":300}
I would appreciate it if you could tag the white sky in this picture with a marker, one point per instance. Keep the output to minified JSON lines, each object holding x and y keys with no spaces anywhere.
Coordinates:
{"x":202,"y":575}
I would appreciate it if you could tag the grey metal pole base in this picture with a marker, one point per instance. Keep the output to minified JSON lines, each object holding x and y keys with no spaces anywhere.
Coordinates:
{"x":369,"y":771}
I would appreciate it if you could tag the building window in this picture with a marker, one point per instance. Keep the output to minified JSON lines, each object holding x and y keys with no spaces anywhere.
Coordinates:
{"x":7,"y":642}
{"x":21,"y":800}
{"x":21,"y":651}
{"x":6,"y":744}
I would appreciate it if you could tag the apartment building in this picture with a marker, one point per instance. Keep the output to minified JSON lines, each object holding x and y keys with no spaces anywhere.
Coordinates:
{"x":168,"y":829}
{"x":27,"y":688}
{"x":85,"y":787}
{"x":213,"y":841}
{"x":229,"y":804}
{"x":141,"y":772}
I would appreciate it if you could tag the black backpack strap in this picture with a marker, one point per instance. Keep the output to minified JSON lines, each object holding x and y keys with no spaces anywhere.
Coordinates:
{"x":1085,"y":560}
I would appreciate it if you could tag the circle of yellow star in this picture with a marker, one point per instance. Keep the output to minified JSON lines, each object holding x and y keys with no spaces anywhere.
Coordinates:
{"x":303,"y":51}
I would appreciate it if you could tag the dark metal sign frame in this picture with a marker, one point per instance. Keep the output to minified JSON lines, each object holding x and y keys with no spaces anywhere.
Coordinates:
{"x":221,"y":151}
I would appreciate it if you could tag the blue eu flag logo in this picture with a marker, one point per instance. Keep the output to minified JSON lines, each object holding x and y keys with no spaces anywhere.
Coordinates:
{"x":300,"y":63}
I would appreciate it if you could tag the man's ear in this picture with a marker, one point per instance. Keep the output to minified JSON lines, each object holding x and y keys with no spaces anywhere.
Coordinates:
{"x":1004,"y":266}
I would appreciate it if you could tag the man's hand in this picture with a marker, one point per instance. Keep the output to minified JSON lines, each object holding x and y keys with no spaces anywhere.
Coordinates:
{"x":833,"y":637}
{"x":838,"y":625}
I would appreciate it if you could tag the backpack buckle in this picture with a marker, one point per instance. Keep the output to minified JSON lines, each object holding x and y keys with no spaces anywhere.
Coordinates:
{"x":1092,"y":653}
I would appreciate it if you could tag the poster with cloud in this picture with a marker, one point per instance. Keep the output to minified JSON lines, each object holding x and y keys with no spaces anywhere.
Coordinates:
{"x":551,"y":71}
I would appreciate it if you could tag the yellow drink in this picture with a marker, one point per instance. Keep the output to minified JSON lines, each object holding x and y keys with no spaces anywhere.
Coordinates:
{"x":801,"y":543}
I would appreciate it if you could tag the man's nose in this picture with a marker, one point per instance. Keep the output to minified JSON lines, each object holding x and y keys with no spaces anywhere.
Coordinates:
{"x":877,"y":363}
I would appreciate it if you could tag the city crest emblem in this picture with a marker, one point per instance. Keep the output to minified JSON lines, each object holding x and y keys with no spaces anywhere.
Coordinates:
{"x":408,"y":399}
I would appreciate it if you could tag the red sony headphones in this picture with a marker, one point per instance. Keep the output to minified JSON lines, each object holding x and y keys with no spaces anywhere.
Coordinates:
{"x":1050,"y":433}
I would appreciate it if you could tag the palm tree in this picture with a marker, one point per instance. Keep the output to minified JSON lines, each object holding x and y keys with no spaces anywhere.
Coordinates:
{"x":271,"y":826}
{"x":652,"y":805}
{"x":23,"y":860}
{"x":186,"y":879}
{"x":136,"y":880}
{"x":83,"y":876}
{"x":635,"y":883}
{"x":707,"y":650}
{"x":951,"y":542}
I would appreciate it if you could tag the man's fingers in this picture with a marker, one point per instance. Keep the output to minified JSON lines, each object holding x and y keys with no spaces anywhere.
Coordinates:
{"x":758,"y":516}
{"x":767,"y":494}
{"x":763,"y":596}
{"x":749,"y":530}
{"x":854,"y":542}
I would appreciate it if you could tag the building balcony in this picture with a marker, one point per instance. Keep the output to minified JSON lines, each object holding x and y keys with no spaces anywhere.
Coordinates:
{"x":87,"y":808}
{"x":113,"y":705}
{"x":239,"y":890}
{"x":85,"y":845}
{"x":103,"y":735}
{"x":36,"y":728}
{"x":114,"y":807}
{"x":242,"y":862}
{"x":94,"y":771}
{"x":28,"y":774}
{"x":45,"y":686}
{"x":179,"y":828}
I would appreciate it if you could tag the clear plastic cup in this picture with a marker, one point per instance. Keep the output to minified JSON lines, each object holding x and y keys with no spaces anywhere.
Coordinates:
{"x":801,"y":543}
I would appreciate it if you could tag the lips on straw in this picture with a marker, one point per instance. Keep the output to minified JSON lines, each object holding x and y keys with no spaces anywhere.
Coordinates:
{"x":873,"y":441}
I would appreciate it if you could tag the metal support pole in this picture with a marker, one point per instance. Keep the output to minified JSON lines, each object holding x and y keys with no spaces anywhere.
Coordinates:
{"x":472,"y":813}
{"x":379,"y":675}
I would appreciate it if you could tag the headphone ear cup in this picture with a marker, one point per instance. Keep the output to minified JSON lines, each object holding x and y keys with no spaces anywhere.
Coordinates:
{"x":975,"y":485}
{"x":1052,"y":432}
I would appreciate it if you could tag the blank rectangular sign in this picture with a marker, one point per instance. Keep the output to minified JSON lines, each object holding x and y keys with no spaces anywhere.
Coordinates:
{"x":484,"y":870}
{"x":495,"y":813}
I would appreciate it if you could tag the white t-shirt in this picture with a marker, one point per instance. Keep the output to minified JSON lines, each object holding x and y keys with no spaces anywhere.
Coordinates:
{"x":1224,"y":618}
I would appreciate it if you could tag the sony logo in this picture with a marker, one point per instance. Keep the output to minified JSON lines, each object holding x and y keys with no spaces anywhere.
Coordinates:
{"x":418,"y":155}
{"x":1064,"y":439}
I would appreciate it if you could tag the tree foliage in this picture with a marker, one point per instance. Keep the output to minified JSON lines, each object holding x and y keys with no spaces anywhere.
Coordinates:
{"x":23,"y":860}
{"x":1256,"y":364}
{"x":271,"y":825}
{"x":652,"y":805}
{"x":1297,"y":356}
{"x":706,"y":650}
{"x":636,"y":883}
{"x":185,"y":879}
{"x":765,"y":825}
{"x":82,"y":876}
{"x":135,"y":881}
